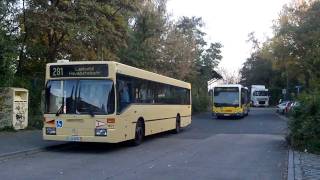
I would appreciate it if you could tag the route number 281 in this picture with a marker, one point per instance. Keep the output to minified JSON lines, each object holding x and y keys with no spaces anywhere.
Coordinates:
{"x":57,"y":71}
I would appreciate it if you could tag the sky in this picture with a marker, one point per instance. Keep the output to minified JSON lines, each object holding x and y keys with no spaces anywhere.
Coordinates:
{"x":229,"y":22}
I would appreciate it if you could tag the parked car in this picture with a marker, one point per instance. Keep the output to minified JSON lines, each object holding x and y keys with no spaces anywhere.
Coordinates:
{"x":287,"y":106}
{"x":292,"y":106}
{"x":283,"y":107}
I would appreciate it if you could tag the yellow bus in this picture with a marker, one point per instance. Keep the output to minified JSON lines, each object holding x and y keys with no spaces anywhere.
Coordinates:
{"x":230,"y":100}
{"x":104,"y":101}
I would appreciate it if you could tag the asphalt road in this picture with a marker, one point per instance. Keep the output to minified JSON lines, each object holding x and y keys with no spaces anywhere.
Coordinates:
{"x":250,"y":148}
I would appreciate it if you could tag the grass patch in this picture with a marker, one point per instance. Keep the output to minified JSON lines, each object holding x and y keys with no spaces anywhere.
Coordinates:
{"x":304,"y":124}
{"x":8,"y":129}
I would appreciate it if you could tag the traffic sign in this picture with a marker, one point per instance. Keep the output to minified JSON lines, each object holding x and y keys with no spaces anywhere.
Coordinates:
{"x":284,"y":91}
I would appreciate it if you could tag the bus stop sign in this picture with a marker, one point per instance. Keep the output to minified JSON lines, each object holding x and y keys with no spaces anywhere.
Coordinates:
{"x":284,"y":91}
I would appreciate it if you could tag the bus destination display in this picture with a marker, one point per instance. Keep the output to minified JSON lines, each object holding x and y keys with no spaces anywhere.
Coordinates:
{"x":83,"y":70}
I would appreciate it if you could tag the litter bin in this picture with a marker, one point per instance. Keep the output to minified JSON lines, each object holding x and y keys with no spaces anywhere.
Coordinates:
{"x":14,"y":108}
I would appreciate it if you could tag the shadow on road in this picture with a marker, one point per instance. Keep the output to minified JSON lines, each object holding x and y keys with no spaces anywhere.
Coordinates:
{"x":228,"y":118}
{"x":97,"y":148}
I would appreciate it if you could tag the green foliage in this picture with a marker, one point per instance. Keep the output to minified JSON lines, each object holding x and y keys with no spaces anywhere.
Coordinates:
{"x":176,"y":49}
{"x":7,"y":129}
{"x":290,"y":58}
{"x":275,"y":94}
{"x":138,"y":33}
{"x":145,"y":37}
{"x":8,"y":45}
{"x":204,"y":63}
{"x":305,"y":122}
{"x":78,"y":30}
{"x":257,"y":70}
{"x":8,"y":54}
{"x":200,"y":100}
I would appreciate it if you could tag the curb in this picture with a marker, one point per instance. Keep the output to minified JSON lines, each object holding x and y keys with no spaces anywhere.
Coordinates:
{"x":294,"y":166}
{"x":297,"y":166}
{"x":291,"y":168}
{"x":27,"y":152}
{"x":282,"y":117}
{"x":291,"y":156}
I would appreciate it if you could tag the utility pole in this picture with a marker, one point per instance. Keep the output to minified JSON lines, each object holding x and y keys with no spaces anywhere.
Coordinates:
{"x":287,"y":81}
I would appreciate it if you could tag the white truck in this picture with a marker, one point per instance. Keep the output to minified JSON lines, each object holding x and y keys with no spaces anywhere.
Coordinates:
{"x":259,"y":96}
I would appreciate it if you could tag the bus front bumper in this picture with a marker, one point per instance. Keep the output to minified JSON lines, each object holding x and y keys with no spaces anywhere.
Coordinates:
{"x":110,"y":138}
{"x":227,"y":114}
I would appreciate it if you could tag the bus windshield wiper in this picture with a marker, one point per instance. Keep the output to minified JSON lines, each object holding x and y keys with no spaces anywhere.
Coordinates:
{"x":91,"y":112}
{"x":60,"y":110}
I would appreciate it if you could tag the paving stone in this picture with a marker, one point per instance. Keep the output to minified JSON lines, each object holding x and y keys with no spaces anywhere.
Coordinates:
{"x":310,"y":166}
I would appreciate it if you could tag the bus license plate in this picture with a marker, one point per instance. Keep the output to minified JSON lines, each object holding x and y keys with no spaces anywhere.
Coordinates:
{"x":226,"y":114}
{"x":74,"y":138}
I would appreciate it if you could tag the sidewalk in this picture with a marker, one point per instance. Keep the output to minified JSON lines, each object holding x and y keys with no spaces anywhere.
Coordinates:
{"x":302,"y":165}
{"x":307,"y":166}
{"x":12,"y":143}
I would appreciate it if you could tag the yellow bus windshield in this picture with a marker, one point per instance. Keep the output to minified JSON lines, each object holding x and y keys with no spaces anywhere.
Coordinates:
{"x":226,"y":97}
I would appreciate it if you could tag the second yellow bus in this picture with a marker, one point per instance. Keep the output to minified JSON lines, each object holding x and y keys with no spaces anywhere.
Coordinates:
{"x":230,"y":100}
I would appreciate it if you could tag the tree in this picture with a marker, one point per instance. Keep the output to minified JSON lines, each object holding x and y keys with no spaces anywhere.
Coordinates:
{"x":176,"y":49}
{"x":258,"y":68}
{"x":8,"y":45}
{"x":178,"y":55}
{"x":77,"y":30}
{"x":204,"y":63}
{"x":299,"y":30}
{"x":291,"y":56}
{"x":146,"y":36}
{"x":229,"y":77}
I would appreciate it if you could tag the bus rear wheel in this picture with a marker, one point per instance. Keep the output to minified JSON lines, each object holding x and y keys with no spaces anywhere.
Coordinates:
{"x":139,"y":133}
{"x":178,"y":125}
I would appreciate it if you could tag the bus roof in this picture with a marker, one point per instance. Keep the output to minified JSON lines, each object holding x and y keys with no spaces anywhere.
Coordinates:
{"x":132,"y":71}
{"x":230,"y":85}
{"x":136,"y":72}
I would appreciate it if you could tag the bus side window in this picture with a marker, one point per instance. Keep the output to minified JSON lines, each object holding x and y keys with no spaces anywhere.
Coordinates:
{"x":111,"y":101}
{"x":145,"y":92}
{"x":243,"y":96}
{"x":135,"y":90}
{"x":124,"y":93}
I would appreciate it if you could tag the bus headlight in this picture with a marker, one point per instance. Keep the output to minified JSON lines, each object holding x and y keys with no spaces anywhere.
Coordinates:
{"x":51,"y":131}
{"x":101,"y":132}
